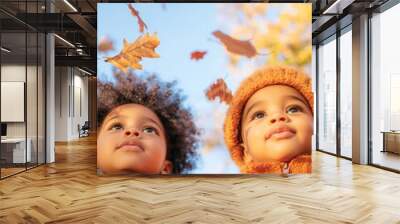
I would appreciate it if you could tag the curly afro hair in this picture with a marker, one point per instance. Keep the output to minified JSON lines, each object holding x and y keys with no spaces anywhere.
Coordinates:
{"x":165,"y":102}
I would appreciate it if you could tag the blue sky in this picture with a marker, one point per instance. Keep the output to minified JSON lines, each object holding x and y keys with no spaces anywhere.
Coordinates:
{"x":181,"y":28}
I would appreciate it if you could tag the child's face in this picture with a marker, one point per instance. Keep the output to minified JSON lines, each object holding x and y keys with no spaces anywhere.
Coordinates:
{"x":277,"y":125}
{"x":132,"y":139}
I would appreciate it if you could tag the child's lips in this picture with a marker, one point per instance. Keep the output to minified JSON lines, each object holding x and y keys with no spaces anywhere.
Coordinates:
{"x":131,"y":145}
{"x":283,"y":135}
{"x":133,"y":148}
{"x":282,"y":132}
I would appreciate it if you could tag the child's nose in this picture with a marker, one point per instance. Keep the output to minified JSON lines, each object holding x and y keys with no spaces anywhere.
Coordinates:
{"x":278,"y":117}
{"x":133,"y":132}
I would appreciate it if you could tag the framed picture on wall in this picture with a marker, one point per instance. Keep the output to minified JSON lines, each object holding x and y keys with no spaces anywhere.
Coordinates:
{"x":12,"y":100}
{"x":204,"y":88}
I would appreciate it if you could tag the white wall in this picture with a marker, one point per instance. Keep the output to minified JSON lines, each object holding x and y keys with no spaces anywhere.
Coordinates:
{"x":61,"y":103}
{"x":80,"y":100}
{"x":71,"y":92}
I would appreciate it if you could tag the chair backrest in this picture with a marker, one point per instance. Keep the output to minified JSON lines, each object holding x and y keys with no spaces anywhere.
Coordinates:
{"x":86,"y":125}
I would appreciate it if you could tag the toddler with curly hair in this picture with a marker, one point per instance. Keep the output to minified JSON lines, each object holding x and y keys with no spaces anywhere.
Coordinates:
{"x":144,"y":127}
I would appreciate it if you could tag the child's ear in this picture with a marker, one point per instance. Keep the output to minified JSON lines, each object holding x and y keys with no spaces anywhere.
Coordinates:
{"x":247,"y":156}
{"x":166,"y":167}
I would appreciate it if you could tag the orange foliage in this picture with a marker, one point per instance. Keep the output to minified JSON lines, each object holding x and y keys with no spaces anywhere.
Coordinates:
{"x":135,"y":13}
{"x":132,"y":54}
{"x":105,"y":45}
{"x":286,"y":40}
{"x":221,"y":90}
{"x":236,"y":46}
{"x":197,"y":55}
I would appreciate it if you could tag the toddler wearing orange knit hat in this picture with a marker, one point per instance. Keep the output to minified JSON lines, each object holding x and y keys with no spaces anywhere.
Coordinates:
{"x":269,"y":123}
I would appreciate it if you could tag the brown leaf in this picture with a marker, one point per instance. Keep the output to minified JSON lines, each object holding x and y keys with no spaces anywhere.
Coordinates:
{"x":197,"y":55}
{"x":132,"y":54}
{"x":105,"y":45}
{"x":219,"y":89}
{"x":135,"y":13}
{"x":236,"y":46}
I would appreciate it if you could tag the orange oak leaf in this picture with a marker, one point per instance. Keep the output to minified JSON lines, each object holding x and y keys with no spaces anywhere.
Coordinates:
{"x":197,"y":55}
{"x":221,"y":90}
{"x":235,"y":46}
{"x":132,"y":53}
{"x":135,"y":13}
{"x":105,"y":45}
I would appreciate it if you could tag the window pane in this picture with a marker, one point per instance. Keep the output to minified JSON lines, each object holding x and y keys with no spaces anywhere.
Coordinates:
{"x":345,"y":94}
{"x":14,"y":152}
{"x":23,"y":82}
{"x":327,"y":97}
{"x":385,"y":89}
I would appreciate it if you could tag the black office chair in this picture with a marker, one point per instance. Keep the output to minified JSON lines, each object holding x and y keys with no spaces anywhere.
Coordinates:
{"x":84,"y":130}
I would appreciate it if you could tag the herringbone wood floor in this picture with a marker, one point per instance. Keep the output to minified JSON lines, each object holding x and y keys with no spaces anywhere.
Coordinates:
{"x":70,"y":192}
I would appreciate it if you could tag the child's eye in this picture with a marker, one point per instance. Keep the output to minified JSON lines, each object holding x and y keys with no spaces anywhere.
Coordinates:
{"x":293,"y":109}
{"x":150,"y":130}
{"x":258,"y":115}
{"x":116,"y":127}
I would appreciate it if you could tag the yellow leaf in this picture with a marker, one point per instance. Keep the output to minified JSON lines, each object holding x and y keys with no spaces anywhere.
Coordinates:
{"x":132,"y":53}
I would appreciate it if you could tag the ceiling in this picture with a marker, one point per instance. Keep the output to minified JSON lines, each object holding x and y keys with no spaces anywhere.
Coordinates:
{"x":74,"y":22}
{"x":332,"y":15}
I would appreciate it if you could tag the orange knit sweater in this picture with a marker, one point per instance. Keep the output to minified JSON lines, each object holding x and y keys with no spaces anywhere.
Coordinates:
{"x":299,"y":164}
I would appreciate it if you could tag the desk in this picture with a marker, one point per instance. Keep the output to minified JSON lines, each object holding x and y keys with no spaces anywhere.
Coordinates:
{"x":16,"y":147}
{"x":391,"y":141}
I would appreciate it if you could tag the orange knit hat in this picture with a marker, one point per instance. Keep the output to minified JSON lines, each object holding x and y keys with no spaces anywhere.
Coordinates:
{"x":261,"y":78}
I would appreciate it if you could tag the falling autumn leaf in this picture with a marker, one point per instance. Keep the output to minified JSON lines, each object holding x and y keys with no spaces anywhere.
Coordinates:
{"x":235,"y":46}
{"x":219,"y":89}
{"x":135,"y":13}
{"x":132,"y":54}
{"x":197,"y":55}
{"x":105,"y":45}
